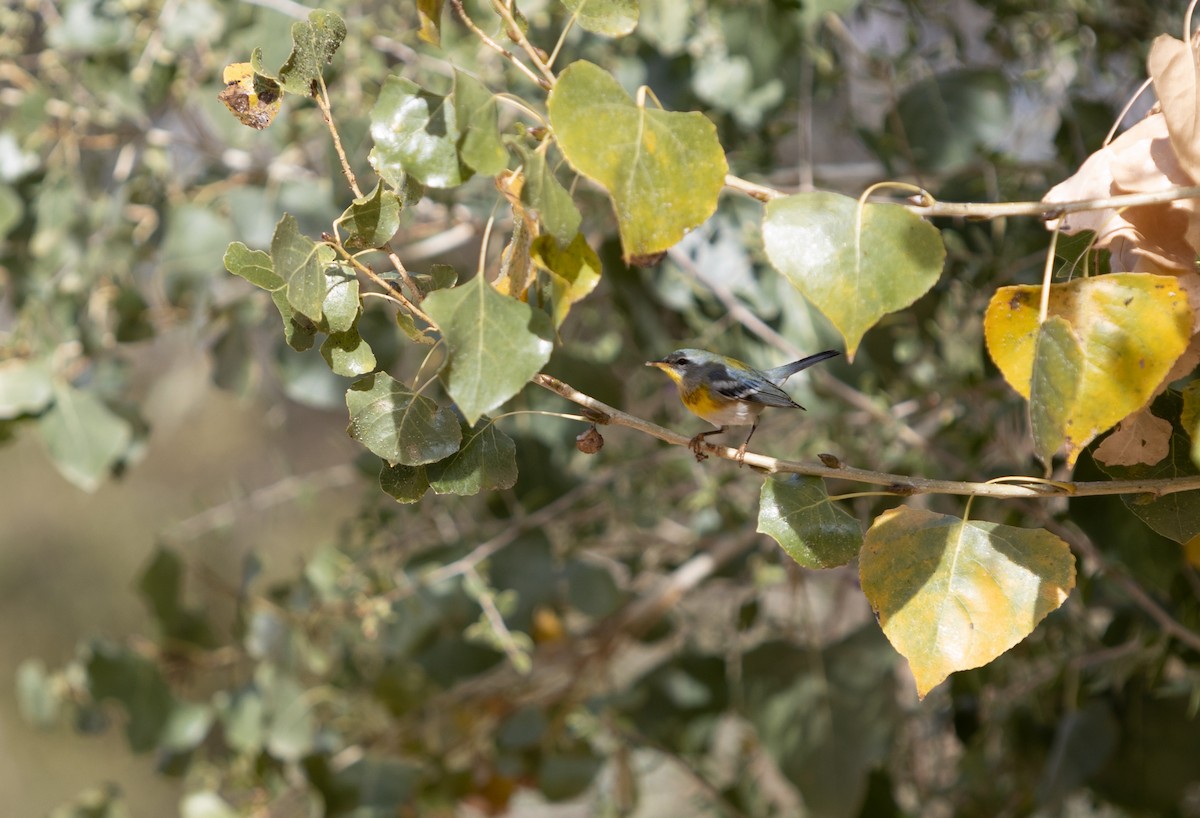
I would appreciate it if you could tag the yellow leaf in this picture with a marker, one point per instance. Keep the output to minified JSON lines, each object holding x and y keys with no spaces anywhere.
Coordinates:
{"x":253,"y":98}
{"x":1131,"y":327}
{"x":1191,"y":551}
{"x":953,"y":595}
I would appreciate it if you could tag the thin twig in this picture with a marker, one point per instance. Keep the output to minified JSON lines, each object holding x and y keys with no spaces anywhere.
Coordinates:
{"x":518,"y":34}
{"x":1081,"y":543}
{"x":495,"y":46}
{"x":392,"y":292}
{"x":899,"y":484}
{"x":322,"y":100}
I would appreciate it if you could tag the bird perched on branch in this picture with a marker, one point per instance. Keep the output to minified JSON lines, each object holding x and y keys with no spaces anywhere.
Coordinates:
{"x":727,"y":392}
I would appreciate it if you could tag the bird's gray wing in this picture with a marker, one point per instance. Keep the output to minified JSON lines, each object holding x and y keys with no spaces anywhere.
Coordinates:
{"x":748,"y":385}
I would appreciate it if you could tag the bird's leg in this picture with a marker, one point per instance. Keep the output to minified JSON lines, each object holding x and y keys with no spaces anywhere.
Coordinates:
{"x":741,"y":455}
{"x":696,"y":442}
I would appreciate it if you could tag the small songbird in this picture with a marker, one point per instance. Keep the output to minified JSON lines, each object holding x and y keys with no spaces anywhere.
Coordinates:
{"x":727,"y":392}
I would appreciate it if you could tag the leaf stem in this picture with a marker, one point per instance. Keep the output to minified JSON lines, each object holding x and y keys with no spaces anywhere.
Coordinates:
{"x":900,"y":484}
{"x":504,"y":9}
{"x":336,"y":244}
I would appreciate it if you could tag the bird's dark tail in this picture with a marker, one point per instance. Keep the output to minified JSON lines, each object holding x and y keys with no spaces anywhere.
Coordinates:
{"x":781,"y":373}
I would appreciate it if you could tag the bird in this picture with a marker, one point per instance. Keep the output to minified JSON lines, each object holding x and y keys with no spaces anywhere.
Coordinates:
{"x":728,"y":392}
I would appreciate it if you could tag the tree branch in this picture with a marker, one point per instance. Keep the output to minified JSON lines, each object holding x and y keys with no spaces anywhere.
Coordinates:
{"x":899,"y":484}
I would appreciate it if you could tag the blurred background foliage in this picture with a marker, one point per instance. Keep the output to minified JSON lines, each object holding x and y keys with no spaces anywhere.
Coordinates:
{"x":263,"y":633}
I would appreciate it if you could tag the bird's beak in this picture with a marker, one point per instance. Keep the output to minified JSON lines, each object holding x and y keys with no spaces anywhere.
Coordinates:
{"x":656,"y":364}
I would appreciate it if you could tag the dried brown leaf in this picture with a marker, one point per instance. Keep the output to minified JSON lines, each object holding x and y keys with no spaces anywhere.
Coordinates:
{"x":1140,"y":439}
{"x":1174,"y":68}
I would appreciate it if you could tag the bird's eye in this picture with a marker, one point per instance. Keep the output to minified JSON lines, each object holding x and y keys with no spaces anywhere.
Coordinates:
{"x":680,"y":360}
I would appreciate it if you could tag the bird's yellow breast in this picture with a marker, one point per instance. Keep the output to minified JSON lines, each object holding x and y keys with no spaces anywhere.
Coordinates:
{"x":719,"y":411}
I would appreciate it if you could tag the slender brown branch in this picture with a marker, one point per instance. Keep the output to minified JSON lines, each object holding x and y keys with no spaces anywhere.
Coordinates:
{"x":1082,"y":544}
{"x":392,"y":292}
{"x":495,"y":46}
{"x":322,"y":100}
{"x":517,"y":33}
{"x":899,"y":484}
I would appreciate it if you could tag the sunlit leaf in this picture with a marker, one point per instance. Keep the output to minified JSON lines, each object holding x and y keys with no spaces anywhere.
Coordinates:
{"x":253,"y":265}
{"x":84,"y":438}
{"x":612,"y":18}
{"x":399,"y":425}
{"x":348,"y":354}
{"x":416,"y":133}
{"x":663,"y":169}
{"x":855,"y":266}
{"x":1173,"y":68}
{"x":486,"y":461}
{"x":797,"y":513}
{"x":341,"y":306}
{"x":372,"y":220}
{"x":475,"y":107}
{"x":26,"y":387}
{"x":574,"y":272}
{"x":313,"y":45}
{"x":496,"y":344}
{"x":295,"y":258}
{"x":1054,"y":386}
{"x":952,"y":595}
{"x":1122,"y":364}
{"x":547,"y":198}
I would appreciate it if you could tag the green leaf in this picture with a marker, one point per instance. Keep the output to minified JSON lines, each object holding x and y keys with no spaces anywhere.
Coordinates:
{"x":294,"y":257}
{"x":137,"y":683}
{"x":952,"y":595}
{"x":348,"y":354}
{"x":291,"y":726}
{"x":372,"y":220}
{"x":574,"y":272}
{"x":313,"y":45}
{"x":26,"y":387}
{"x":612,"y":18}
{"x":797,"y":513}
{"x":486,"y":461}
{"x":161,"y":587}
{"x":342,"y":305}
{"x":1122,"y":364}
{"x":406,"y":484}
{"x":1054,"y":386}
{"x":475,"y":109}
{"x":853,"y":270}
{"x":664,"y":170}
{"x":496,"y":344}
{"x":416,"y":133}
{"x":85,"y":439}
{"x":399,"y":425}
{"x":187,"y":726}
{"x":205,"y":805}
{"x":242,"y":719}
{"x":298,"y":330}
{"x":549,"y":200}
{"x":430,"y":13}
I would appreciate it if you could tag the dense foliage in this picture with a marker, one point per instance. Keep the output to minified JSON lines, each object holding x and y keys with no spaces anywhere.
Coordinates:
{"x":463,"y":229}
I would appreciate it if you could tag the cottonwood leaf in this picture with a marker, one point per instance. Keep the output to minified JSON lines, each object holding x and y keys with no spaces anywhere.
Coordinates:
{"x":612,"y":18}
{"x":952,"y":595}
{"x":574,"y":272}
{"x":430,"y":13}
{"x":476,"y":114}
{"x":1054,"y":386}
{"x":84,"y":438}
{"x":1123,"y":362}
{"x":399,"y":425}
{"x":1173,"y":69}
{"x":347,"y":353}
{"x":297,"y":260}
{"x":371,"y":220}
{"x":1140,"y":438}
{"x":406,"y":484}
{"x":663,"y":169}
{"x":853,"y":269}
{"x":416,"y":133}
{"x":313,"y":45}
{"x":797,"y":513}
{"x":253,"y":265}
{"x":251,"y":97}
{"x":341,"y":306}
{"x":496,"y":344}
{"x":298,"y":330}
{"x":486,"y":461}
{"x":545,"y":197}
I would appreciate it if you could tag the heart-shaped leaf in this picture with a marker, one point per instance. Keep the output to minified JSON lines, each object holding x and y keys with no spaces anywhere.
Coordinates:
{"x":1122,"y":363}
{"x":574,"y":272}
{"x":416,"y":133}
{"x":663,"y":169}
{"x":372,"y":220}
{"x":399,"y":425}
{"x":475,"y":107}
{"x":797,"y":513}
{"x":496,"y":344}
{"x":486,"y":461}
{"x":854,"y":264}
{"x":953,"y":595}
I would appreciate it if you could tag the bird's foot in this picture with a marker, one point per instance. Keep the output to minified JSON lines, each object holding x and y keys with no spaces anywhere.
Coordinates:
{"x":741,"y":455}
{"x":694,"y":444}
